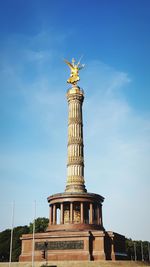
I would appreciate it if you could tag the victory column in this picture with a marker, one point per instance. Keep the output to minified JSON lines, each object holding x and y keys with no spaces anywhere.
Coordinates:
{"x":75,"y":230}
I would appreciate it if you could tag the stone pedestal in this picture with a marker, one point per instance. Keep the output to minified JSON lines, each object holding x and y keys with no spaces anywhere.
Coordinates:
{"x":74,"y":245}
{"x":75,"y":232}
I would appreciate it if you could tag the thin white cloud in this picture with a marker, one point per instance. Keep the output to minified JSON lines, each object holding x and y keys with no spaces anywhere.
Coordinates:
{"x":117,"y":147}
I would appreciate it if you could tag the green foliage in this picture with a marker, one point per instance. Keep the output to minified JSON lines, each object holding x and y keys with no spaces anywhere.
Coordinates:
{"x":18,"y":232}
{"x":134,"y":247}
{"x":40,"y":225}
{"x":5,"y":243}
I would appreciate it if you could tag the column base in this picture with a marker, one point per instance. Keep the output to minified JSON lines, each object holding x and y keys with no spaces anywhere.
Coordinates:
{"x":76,"y":188}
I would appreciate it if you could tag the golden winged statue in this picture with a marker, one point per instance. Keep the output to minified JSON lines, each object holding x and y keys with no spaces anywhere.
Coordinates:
{"x":74,"y":75}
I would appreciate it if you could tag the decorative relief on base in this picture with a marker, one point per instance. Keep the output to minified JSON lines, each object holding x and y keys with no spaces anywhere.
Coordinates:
{"x":60,"y":245}
{"x":76,"y":214}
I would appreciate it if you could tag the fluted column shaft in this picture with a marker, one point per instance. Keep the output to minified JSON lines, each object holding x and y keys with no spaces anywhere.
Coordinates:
{"x":71,"y":212}
{"x":51,"y":215}
{"x":82,"y":212}
{"x":54,"y":214}
{"x":62,"y":213}
{"x":91,"y":214}
{"x":75,"y":164}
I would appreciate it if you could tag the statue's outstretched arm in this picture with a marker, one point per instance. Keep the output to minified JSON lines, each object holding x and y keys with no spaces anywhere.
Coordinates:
{"x":69,"y":64}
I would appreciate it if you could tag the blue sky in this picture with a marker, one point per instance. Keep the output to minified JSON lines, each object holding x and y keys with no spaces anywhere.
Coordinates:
{"x":114,"y":38}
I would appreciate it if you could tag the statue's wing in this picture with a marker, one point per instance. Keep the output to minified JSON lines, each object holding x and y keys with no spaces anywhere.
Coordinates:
{"x":81,"y":66}
{"x":69,"y":64}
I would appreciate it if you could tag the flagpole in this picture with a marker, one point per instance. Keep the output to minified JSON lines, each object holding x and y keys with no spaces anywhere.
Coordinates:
{"x":33,"y":234}
{"x":11,"y":237}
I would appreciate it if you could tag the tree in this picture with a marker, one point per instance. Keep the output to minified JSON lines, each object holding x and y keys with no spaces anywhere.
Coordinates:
{"x":18,"y":232}
{"x":40,"y":225}
{"x":16,"y":245}
{"x":4,"y":245}
{"x":130,"y":249}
